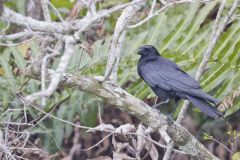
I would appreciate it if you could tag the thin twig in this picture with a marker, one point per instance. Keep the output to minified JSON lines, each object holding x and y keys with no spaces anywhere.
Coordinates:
{"x":24,"y":112}
{"x":210,"y":137}
{"x":151,"y":15}
{"x":43,"y":70}
{"x":56,"y":11}
{"x":14,"y":36}
{"x":152,"y":7}
{"x":99,"y":111}
{"x":68,"y":53}
{"x":16,"y":44}
{"x":17,"y":124}
{"x":45,"y":10}
{"x":5,"y":28}
{"x":59,"y":119}
{"x":157,"y":143}
{"x":106,"y":77}
{"x":95,"y":145}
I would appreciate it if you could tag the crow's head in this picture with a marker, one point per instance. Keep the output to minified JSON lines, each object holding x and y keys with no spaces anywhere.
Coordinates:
{"x":148,"y":50}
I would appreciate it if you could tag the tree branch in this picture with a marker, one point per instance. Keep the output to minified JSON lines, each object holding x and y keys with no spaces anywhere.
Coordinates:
{"x":59,"y":27}
{"x":121,"y":99}
{"x":68,"y":53}
{"x":45,"y":10}
{"x":14,"y":36}
{"x":118,"y":38}
{"x":166,"y":5}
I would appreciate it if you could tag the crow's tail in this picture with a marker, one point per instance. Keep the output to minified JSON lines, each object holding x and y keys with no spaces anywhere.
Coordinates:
{"x":205,"y":107}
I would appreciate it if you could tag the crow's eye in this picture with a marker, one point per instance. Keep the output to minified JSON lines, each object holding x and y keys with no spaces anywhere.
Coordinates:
{"x":147,"y":49}
{"x":145,"y":53}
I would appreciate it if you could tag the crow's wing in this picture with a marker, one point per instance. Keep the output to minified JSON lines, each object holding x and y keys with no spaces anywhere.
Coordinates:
{"x":152,"y":76}
{"x":165,"y":72}
{"x":167,"y":75}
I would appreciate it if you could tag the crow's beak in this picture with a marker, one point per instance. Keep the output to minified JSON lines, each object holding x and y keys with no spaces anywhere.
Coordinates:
{"x":139,"y":51}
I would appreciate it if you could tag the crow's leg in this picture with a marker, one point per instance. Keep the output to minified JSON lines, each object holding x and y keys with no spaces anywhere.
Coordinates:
{"x":162,"y":94}
{"x":170,"y":116}
{"x":159,"y":104}
{"x":175,"y":106}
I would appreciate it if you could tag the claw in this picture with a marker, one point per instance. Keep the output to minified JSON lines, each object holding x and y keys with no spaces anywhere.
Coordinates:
{"x":159,"y":104}
{"x":157,"y":109}
{"x":170,"y":119}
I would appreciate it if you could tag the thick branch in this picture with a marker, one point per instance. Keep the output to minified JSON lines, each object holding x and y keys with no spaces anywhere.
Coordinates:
{"x":118,"y":97}
{"x":59,"y":27}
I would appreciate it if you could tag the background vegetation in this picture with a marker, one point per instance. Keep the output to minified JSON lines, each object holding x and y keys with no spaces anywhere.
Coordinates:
{"x":181,"y":33}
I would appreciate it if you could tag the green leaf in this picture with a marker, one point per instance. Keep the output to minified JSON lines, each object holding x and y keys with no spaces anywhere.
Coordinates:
{"x":225,"y":39}
{"x":236,"y":156}
{"x":206,"y":136}
{"x":232,"y":109}
{"x":8,"y":74}
{"x":178,"y":29}
{"x":19,"y":60}
{"x":198,"y":21}
{"x":157,"y":29}
{"x":21,"y":6}
{"x":216,"y":77}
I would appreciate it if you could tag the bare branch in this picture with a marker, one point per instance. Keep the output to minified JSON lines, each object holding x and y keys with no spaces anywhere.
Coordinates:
{"x":68,"y":53}
{"x":118,"y":38}
{"x":59,"y":27}
{"x":59,"y":119}
{"x":45,"y":10}
{"x":152,"y":7}
{"x":167,"y":5}
{"x":95,"y":145}
{"x":108,"y":74}
{"x":14,"y":36}
{"x":16,"y":44}
{"x":43,"y":71}
{"x":158,"y":144}
{"x":225,"y":147}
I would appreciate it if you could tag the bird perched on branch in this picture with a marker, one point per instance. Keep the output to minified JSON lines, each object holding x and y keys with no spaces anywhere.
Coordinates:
{"x":167,"y":80}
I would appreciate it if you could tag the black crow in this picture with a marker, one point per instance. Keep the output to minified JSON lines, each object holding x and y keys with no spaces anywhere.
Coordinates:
{"x":167,"y":80}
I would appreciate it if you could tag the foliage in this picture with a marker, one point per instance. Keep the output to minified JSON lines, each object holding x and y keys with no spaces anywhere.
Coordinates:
{"x":236,"y":156}
{"x":181,"y":33}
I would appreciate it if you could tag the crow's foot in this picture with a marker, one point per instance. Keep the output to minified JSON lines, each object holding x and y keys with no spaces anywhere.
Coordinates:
{"x":170,"y":119}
